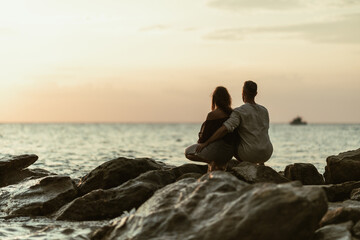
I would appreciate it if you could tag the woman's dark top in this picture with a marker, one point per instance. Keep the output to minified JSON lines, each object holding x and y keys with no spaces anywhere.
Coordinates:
{"x":209,"y":127}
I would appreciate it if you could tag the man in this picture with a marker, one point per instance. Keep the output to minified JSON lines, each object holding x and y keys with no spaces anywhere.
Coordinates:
{"x":251,"y":122}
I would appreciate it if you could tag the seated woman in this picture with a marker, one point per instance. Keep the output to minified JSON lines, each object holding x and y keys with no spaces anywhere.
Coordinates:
{"x":218,"y":153}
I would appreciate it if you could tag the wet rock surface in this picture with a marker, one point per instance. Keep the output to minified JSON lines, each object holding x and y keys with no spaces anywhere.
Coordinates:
{"x":11,"y":163}
{"x":253,"y":173}
{"x":341,"y":212}
{"x":334,"y":232}
{"x":115,"y":172}
{"x":106,"y":204}
{"x":219,"y":206}
{"x":340,"y":192}
{"x":306,"y":173}
{"x":37,"y":197}
{"x":343,"y":167}
{"x":16,"y":176}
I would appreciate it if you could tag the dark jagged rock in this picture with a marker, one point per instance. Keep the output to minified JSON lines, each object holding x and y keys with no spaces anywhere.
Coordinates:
{"x":16,"y":176}
{"x":232,"y":163}
{"x":343,"y":167}
{"x":335,"y":231}
{"x":356,"y":229}
{"x":253,"y":173}
{"x":189,"y":168}
{"x":306,"y":173}
{"x":219,"y":206}
{"x":341,"y":212}
{"x":106,"y":204}
{"x":115,"y":172}
{"x":37,"y":197}
{"x":355,"y":194}
{"x":339,"y":192}
{"x":11,"y":163}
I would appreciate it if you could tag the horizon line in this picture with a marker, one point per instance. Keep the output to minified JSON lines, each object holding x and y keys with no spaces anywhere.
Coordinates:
{"x":146,"y":122}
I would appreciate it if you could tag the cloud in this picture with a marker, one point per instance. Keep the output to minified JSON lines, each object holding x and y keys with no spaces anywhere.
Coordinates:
{"x":344,"y":30}
{"x":276,"y":4}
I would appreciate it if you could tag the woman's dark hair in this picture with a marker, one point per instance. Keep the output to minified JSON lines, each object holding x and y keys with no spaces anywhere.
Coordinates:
{"x":250,"y":88}
{"x":222,"y":99}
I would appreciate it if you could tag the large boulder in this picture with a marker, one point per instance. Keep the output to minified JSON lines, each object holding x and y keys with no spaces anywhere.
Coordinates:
{"x":335,"y":232}
{"x":219,"y":206}
{"x":11,"y":163}
{"x":343,"y":167}
{"x":306,"y":173}
{"x":115,"y":172}
{"x":106,"y":204}
{"x":37,"y":197}
{"x":340,"y":212}
{"x":253,"y":173}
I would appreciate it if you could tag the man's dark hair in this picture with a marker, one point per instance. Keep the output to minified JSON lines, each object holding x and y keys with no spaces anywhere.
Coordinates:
{"x":250,"y":88}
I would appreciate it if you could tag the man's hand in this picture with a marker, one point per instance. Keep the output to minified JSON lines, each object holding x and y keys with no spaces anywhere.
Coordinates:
{"x":201,"y":146}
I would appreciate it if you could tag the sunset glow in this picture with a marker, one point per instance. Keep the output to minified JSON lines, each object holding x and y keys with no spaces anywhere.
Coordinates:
{"x":159,"y":60}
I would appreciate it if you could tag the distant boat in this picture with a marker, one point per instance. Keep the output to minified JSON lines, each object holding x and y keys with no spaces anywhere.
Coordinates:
{"x":298,"y":121}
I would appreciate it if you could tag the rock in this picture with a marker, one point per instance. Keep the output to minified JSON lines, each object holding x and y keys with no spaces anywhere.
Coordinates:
{"x":115,"y":172}
{"x":253,"y":173}
{"x":232,"y":163}
{"x":37,"y":197}
{"x":356,"y":229}
{"x":335,"y":232}
{"x":341,"y":212}
{"x":355,"y":194}
{"x":219,"y":206}
{"x":340,"y":192}
{"x":189,"y":168}
{"x":106,"y":204}
{"x":16,"y":176}
{"x":11,"y":163}
{"x":343,"y":167}
{"x":189,"y":175}
{"x":306,"y":173}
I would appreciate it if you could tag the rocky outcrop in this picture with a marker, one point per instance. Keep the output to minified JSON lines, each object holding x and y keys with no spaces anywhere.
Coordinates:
{"x":341,"y":212}
{"x":11,"y":163}
{"x":219,"y":206}
{"x":343,"y":167}
{"x":340,"y":192}
{"x":37,"y":197}
{"x":334,"y":232}
{"x":115,"y":172}
{"x":253,"y":173}
{"x":306,"y":173}
{"x":106,"y":204}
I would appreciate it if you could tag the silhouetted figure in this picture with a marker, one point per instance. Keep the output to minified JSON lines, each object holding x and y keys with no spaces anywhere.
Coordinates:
{"x":219,"y":152}
{"x":251,"y":123}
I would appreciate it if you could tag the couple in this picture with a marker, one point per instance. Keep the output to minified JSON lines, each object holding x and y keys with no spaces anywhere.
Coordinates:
{"x":242,"y":132}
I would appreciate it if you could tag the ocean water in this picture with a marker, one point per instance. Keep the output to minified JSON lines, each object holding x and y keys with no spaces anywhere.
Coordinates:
{"x":76,"y":149}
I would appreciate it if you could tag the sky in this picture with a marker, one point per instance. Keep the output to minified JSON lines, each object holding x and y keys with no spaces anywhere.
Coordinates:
{"x":160,"y":60}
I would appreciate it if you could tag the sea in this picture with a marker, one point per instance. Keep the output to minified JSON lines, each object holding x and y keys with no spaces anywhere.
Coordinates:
{"x":76,"y":149}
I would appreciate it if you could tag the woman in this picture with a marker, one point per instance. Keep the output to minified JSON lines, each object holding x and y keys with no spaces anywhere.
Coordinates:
{"x":218,"y":153}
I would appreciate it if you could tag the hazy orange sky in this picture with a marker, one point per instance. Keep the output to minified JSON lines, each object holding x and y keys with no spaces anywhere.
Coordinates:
{"x":159,"y":60}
